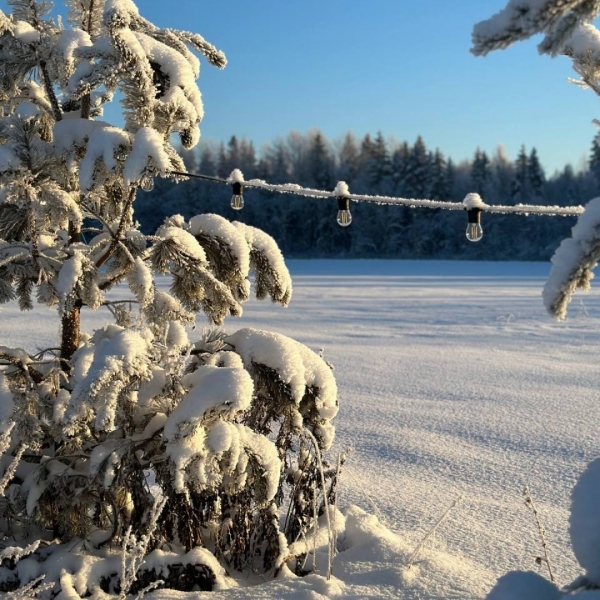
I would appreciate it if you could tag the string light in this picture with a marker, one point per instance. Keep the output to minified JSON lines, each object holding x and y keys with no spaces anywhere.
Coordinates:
{"x":237,"y":179}
{"x":344,"y":216}
{"x":472,"y":203}
{"x":237,"y":200}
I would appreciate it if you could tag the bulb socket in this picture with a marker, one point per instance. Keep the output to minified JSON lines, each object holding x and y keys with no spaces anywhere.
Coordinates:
{"x":343,"y":203}
{"x":474,"y":215}
{"x":238,"y":188}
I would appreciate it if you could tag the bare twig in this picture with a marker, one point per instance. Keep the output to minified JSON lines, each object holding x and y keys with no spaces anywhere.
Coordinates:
{"x":529,"y":503}
{"x":325,"y":499}
{"x":433,"y":530}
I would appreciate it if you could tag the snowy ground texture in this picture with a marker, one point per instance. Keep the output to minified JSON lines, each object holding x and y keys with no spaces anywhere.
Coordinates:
{"x":453,"y":380}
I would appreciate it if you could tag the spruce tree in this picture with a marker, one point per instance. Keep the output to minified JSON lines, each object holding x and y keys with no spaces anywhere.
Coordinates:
{"x":594,"y":162}
{"x":418,"y":170}
{"x":379,"y":166}
{"x":480,"y":172}
{"x":400,"y":163}
{"x":136,"y":439}
{"x":535,"y":174}
{"x":320,"y":162}
{"x":521,"y":186}
{"x":440,"y":185}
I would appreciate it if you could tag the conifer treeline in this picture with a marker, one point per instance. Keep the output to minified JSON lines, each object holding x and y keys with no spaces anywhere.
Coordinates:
{"x":307,"y":228}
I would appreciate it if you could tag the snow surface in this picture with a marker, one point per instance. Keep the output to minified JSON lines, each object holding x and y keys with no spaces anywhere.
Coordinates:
{"x":585,"y":521}
{"x":452,"y":379}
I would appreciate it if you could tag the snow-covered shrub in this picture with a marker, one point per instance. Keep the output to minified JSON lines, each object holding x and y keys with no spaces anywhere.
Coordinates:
{"x":135,"y":454}
{"x":568,"y":30}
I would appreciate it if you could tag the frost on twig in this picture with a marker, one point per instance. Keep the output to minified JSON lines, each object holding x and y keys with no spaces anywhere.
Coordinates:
{"x":545,"y":559}
{"x":432,"y":531}
{"x":135,"y":549}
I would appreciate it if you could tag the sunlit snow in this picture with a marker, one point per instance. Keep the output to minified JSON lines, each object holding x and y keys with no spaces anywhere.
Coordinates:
{"x":452,"y":379}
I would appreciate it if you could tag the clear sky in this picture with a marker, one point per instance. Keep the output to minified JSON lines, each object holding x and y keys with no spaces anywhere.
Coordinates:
{"x":399,"y":66}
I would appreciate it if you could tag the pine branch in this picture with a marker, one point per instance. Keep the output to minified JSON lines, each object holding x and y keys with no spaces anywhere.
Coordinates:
{"x":50,"y":92}
{"x":120,"y":230}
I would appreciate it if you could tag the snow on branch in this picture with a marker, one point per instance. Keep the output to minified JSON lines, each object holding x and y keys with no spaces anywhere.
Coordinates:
{"x":272,"y":275}
{"x":310,"y":381}
{"x":521,"y":19}
{"x":574,"y":261}
{"x":227,"y":251}
{"x":114,"y":360}
{"x":148,"y":153}
{"x":215,"y":57}
{"x":197,"y":436}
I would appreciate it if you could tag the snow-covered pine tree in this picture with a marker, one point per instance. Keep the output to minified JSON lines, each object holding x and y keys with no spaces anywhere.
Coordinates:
{"x":568,"y":29}
{"x":135,"y":439}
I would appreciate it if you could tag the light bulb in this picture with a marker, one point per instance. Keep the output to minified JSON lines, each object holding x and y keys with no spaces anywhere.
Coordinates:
{"x":474,"y":229}
{"x":237,"y":200}
{"x":147,"y":184}
{"x":474,"y":232}
{"x":344,"y":217}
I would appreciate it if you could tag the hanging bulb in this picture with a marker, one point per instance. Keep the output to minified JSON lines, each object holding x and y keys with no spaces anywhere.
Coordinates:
{"x":237,"y":200}
{"x":147,"y":184}
{"x":474,"y":229}
{"x":344,"y":217}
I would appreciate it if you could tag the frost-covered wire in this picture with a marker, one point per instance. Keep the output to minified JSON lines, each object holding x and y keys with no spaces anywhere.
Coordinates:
{"x":341,"y":190}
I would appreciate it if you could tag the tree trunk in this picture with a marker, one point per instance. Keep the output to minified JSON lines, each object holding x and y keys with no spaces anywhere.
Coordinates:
{"x":70,"y":336}
{"x":71,"y":320}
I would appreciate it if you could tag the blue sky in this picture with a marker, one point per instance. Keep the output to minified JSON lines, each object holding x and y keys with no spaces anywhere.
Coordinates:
{"x":392,"y":65}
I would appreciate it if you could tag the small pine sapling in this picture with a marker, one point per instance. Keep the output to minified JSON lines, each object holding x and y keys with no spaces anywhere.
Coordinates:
{"x":185,"y":454}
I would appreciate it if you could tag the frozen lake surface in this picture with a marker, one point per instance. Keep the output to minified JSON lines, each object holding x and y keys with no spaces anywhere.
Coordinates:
{"x":453,"y":380}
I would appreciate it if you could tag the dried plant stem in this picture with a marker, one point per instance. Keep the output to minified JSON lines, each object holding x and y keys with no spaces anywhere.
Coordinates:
{"x":315,"y":527}
{"x":529,"y":503}
{"x":325,"y":499}
{"x":374,"y":506}
{"x":433,"y":530}
{"x":134,"y":550}
{"x":334,"y":528}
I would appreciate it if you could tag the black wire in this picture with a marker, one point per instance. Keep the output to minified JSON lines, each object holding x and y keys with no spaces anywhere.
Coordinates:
{"x":208,"y":177}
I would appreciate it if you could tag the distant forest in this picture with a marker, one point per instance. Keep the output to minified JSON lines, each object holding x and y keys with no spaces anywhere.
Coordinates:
{"x":307,"y":228}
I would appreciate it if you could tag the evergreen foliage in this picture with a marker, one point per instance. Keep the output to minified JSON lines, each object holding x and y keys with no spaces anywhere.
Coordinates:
{"x":127,"y":453}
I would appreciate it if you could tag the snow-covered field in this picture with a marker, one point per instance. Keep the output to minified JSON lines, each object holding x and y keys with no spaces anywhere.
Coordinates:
{"x":453,"y":380}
